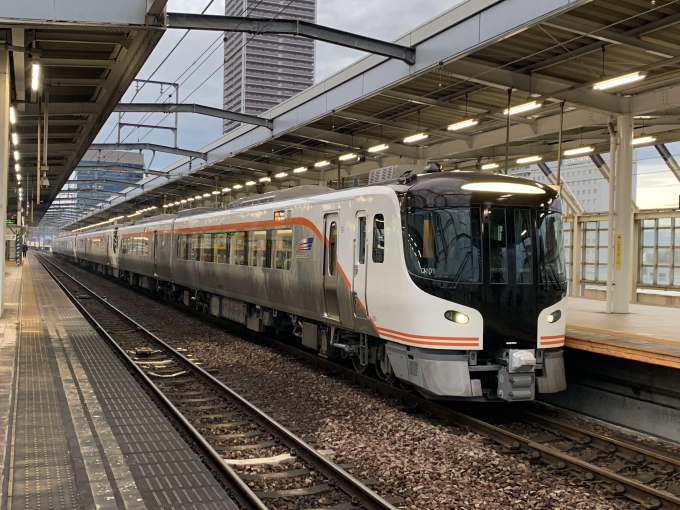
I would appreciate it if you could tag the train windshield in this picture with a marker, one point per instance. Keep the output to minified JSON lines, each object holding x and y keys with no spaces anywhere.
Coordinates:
{"x":551,"y":242}
{"x":444,"y":244}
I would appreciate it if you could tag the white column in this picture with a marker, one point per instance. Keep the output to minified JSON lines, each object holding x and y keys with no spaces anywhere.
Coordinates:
{"x":576,"y":256}
{"x":4,"y":164}
{"x":623,"y":232}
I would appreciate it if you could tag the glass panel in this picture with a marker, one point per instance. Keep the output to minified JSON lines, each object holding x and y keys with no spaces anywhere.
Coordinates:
{"x":663,"y":276}
{"x":663,"y":257}
{"x":193,"y":247}
{"x":603,"y":238}
{"x":590,"y":255}
{"x":591,"y":225}
{"x":647,"y":238}
{"x":524,"y":259}
{"x":604,"y":225}
{"x":590,"y":272}
{"x":445,"y":244}
{"x":237,"y":241}
{"x":567,"y":256}
{"x":567,"y":238}
{"x":591,"y":238}
{"x":648,"y":275}
{"x":206,"y":247}
{"x":378,"y":238}
{"x":648,"y":224}
{"x":677,"y":232}
{"x":664,"y":222}
{"x":361,"y":240}
{"x":676,"y":277}
{"x":677,"y":257}
{"x":221,"y":248}
{"x":648,"y":256}
{"x":551,"y":243}
{"x":498,"y":246}
{"x":333,"y":248}
{"x":602,"y":273}
{"x":664,"y":238}
{"x":602,"y":255}
{"x":282,"y":250}
{"x":257,"y":248}
{"x":567,"y":226}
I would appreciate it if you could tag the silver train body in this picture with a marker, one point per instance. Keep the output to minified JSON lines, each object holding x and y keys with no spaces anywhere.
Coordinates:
{"x":390,"y":276}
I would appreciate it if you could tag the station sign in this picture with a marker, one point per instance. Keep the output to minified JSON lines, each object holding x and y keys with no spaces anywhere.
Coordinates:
{"x":11,"y":221}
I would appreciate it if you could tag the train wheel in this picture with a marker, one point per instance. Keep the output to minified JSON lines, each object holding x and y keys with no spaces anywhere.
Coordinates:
{"x":358,"y":367}
{"x":382,"y":375}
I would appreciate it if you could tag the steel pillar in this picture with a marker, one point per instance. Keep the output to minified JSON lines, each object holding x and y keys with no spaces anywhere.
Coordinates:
{"x":576,"y":257}
{"x":623,"y":229}
{"x":4,"y":163}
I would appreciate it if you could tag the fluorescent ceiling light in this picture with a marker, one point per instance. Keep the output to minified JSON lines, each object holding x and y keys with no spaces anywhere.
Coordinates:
{"x":378,"y":148}
{"x":578,"y":150}
{"x":174,"y":203}
{"x":16,"y":155}
{"x":643,"y":139}
{"x":224,"y":190}
{"x":17,"y":167}
{"x":165,"y":205}
{"x":190,"y":199}
{"x":347,"y":157}
{"x":620,"y":80}
{"x":238,"y":186}
{"x":415,"y":138}
{"x":182,"y":201}
{"x":198,"y":197}
{"x":281,"y":175}
{"x":15,"y":139}
{"x":18,"y":177}
{"x":300,"y":169}
{"x":489,"y":166}
{"x":321,"y":164}
{"x":216,"y":192}
{"x":250,"y":183}
{"x":12,"y":115}
{"x":503,"y":187}
{"x":35,"y":75}
{"x":265,"y":179}
{"x":523,"y":108}
{"x":206,"y":195}
{"x":462,"y":125}
{"x":529,"y":159}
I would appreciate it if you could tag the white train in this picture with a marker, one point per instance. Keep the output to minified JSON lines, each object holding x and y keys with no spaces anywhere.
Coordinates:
{"x":453,"y":282}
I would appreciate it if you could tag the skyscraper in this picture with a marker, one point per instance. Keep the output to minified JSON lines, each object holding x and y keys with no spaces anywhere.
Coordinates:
{"x":262,"y":71}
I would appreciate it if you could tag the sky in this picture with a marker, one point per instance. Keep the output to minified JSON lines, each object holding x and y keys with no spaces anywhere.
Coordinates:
{"x":196,"y":66}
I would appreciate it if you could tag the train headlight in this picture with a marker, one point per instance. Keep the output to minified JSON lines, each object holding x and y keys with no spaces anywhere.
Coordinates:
{"x":555,"y":316}
{"x":457,"y":317}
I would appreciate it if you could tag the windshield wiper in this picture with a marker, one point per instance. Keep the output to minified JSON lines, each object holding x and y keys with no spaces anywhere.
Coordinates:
{"x":557,"y":280}
{"x":460,"y":271}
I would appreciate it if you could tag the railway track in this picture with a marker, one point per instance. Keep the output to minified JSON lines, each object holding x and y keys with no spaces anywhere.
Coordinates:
{"x":262,"y":461}
{"x":644,"y":475}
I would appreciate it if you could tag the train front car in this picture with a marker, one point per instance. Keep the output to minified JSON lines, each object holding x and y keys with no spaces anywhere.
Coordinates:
{"x":494,"y":244}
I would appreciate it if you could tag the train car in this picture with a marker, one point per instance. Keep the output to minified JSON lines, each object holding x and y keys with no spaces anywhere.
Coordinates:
{"x":453,"y":282}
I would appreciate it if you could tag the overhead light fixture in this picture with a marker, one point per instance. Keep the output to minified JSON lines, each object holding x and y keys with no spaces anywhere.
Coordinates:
{"x":489,"y":166}
{"x":238,"y":186}
{"x":182,"y":201}
{"x":15,"y":139}
{"x":18,"y":177}
{"x":224,"y":190}
{"x":529,"y":159}
{"x":621,"y":80}
{"x":12,"y":115}
{"x":347,"y":157}
{"x":378,"y":148}
{"x":503,"y":187}
{"x":17,"y":168}
{"x":300,"y":169}
{"x":643,"y":140}
{"x":415,"y":138}
{"x":523,"y":108}
{"x":206,"y":195}
{"x":165,"y":206}
{"x":35,"y":76}
{"x":578,"y":150}
{"x":321,"y":164}
{"x":198,"y":197}
{"x":281,"y":175}
{"x":462,"y":125}
{"x":176,"y":203}
{"x":216,"y":192}
{"x":250,"y":183}
{"x":265,"y":179}
{"x":190,"y":199}
{"x":16,"y":155}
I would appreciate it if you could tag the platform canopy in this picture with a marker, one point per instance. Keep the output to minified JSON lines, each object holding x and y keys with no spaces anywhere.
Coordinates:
{"x":551,"y":52}
{"x":87,"y":54}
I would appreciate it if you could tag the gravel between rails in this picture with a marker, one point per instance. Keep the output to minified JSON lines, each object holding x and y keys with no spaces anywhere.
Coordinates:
{"x":427,"y":462}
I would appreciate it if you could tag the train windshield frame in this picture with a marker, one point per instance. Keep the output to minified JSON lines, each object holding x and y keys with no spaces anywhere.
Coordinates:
{"x":444,"y":243}
{"x":552,"y":263}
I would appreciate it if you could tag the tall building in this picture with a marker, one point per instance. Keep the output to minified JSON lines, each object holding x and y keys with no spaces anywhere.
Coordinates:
{"x":104,"y":172}
{"x":262,"y":71}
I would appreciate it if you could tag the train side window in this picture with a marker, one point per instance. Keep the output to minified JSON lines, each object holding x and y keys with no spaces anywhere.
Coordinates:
{"x":378,"y":238}
{"x":194,"y":247}
{"x":361,"y":240}
{"x":182,"y":247}
{"x":238,"y":248}
{"x":498,"y":246}
{"x":282,"y":249}
{"x":221,"y":248}
{"x":332,"y":248}
{"x":124,"y":245}
{"x":206,"y":247}
{"x":257,"y":248}
{"x":524,"y":258}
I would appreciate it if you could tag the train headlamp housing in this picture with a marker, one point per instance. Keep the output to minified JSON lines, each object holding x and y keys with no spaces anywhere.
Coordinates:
{"x":457,"y":317}
{"x":554,"y":317}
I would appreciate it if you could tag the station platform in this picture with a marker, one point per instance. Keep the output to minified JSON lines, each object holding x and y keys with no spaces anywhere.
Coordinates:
{"x":76,"y":430}
{"x":649,"y":334}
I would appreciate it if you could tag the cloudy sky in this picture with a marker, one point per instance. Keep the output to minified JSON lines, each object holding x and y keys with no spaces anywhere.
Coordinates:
{"x":196,"y":66}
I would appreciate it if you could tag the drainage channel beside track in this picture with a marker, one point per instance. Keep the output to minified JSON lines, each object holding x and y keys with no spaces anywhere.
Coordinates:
{"x":232,"y":432}
{"x":637,"y":473}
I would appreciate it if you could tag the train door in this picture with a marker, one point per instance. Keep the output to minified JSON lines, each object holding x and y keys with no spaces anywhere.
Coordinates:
{"x":155,"y":253}
{"x":330,"y":266}
{"x":511,"y":316}
{"x":359,"y":279}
